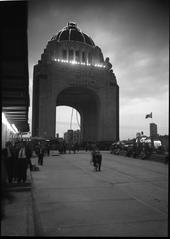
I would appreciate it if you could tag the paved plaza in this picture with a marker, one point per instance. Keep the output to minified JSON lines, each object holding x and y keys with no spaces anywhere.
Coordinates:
{"x":128,"y":198}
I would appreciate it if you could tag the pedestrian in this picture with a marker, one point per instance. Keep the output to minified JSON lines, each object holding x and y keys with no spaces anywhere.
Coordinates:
{"x":64,"y":147}
{"x":22,"y":163}
{"x":15,"y":152}
{"x":9,"y":161}
{"x":29,"y":155}
{"x":93,"y":153}
{"x":74,"y":148}
{"x":69,"y":148}
{"x":5,"y":194}
{"x":98,"y":159}
{"x":40,"y":155}
{"x":48,"y":150}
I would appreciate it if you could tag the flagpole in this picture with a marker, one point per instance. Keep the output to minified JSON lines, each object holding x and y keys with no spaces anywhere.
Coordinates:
{"x":152,"y":118}
{"x":149,"y":116}
{"x":152,"y":142}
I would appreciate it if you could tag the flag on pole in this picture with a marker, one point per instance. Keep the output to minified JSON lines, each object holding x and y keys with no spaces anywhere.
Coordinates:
{"x":148,"y":115}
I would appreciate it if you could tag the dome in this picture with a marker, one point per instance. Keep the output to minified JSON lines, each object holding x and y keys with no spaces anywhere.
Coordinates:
{"x":72,"y":33}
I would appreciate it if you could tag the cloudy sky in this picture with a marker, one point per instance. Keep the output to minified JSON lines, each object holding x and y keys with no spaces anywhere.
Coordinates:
{"x":134,"y":34}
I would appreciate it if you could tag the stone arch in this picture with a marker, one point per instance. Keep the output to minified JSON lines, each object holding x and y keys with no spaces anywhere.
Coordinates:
{"x":92,"y":89}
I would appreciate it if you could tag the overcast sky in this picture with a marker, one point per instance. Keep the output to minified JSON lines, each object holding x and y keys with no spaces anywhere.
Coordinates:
{"x":134,"y":34}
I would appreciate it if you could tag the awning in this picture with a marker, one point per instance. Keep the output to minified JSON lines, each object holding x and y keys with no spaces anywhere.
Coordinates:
{"x":14,"y":64}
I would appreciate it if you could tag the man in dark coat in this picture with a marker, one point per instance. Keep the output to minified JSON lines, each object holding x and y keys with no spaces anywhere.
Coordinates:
{"x":9,"y":161}
{"x":98,"y":159}
{"x":29,"y":155}
{"x":22,"y":163}
{"x":40,"y":155}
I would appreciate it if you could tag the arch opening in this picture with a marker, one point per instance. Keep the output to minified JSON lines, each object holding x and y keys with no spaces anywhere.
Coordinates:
{"x":67,"y":118}
{"x":87,"y":103}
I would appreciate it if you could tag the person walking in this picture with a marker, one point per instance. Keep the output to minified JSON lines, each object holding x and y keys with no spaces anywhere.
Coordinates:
{"x":15,"y":152}
{"x":40,"y":155}
{"x":29,"y":155}
{"x":98,"y":160}
{"x":9,"y":162}
{"x":48,"y":149}
{"x":22,"y":163}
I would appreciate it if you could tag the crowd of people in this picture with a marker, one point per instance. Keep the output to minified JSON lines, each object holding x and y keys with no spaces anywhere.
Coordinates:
{"x":16,"y":159}
{"x":63,"y":148}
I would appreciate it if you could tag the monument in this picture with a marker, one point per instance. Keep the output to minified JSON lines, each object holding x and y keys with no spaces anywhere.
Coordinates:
{"x":72,"y":72}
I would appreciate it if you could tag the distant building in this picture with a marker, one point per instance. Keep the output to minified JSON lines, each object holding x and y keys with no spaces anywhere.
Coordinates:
{"x":153,"y":131}
{"x":72,"y":137}
{"x":68,"y":136}
{"x":76,"y":137}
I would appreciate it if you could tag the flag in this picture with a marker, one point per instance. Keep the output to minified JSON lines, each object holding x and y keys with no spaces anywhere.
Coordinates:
{"x":148,"y":115}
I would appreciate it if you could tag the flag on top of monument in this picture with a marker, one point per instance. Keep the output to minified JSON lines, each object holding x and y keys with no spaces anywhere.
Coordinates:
{"x":148,"y":115}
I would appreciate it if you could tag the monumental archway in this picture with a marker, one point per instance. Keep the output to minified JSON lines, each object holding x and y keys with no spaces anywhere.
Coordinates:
{"x":87,"y":103}
{"x":72,"y":72}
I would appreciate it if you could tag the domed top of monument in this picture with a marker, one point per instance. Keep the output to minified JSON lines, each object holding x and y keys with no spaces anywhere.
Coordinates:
{"x":72,"y":33}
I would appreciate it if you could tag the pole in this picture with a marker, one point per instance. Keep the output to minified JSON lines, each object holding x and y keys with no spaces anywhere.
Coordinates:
{"x":71,"y":118}
{"x":77,"y":119}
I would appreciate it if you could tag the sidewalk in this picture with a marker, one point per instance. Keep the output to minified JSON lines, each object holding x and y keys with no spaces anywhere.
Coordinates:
{"x":129,"y":197}
{"x":18,"y":219}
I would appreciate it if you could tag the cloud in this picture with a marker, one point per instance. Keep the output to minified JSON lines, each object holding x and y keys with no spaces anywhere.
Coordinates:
{"x":143,"y":75}
{"x":132,"y":116}
{"x":134,"y":34}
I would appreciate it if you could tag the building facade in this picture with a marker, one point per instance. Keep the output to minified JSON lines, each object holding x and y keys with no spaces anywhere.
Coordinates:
{"x":72,"y":72}
{"x":14,"y":70}
{"x":68,"y":136}
{"x":153,"y":131}
{"x":72,"y":137}
{"x":76,"y":137}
